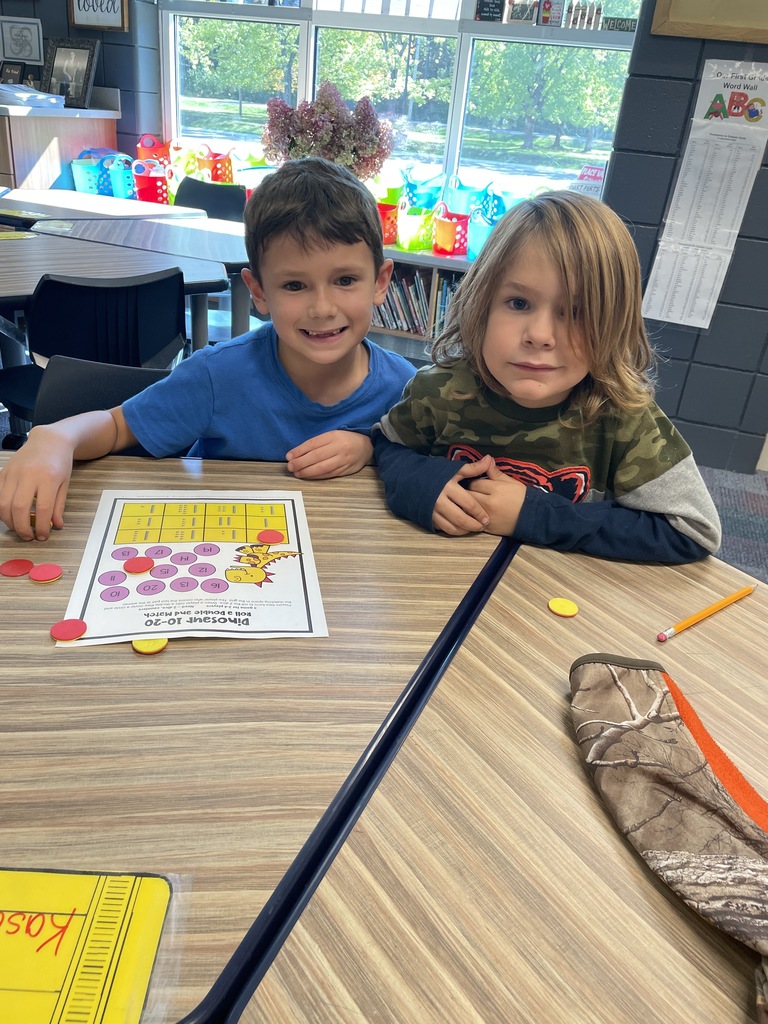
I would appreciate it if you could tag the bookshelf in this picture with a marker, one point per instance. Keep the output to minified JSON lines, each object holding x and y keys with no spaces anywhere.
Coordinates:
{"x":418,"y":295}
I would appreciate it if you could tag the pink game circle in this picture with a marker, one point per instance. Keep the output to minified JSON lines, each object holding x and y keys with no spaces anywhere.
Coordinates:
{"x":163,"y":572}
{"x":214,"y":586}
{"x":112,"y":594}
{"x":121,"y":554}
{"x":207,"y":549}
{"x":111,"y":579}
{"x":183,"y":558}
{"x":184,"y":585}
{"x":158,"y":551}
{"x":150,"y":588}
{"x":202,"y":569}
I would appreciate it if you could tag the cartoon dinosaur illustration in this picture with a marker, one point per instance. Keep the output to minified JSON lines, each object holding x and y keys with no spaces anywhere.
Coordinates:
{"x":252,"y":560}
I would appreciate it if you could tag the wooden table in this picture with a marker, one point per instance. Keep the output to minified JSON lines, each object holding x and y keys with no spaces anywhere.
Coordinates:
{"x":214,"y":760}
{"x":207,"y":238}
{"x":24,"y":259}
{"x":23,"y":207}
{"x":486,"y":881}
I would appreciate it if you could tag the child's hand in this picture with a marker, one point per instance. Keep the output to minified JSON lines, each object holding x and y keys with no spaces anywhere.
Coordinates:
{"x":501,"y":497}
{"x":456,"y":511}
{"x":37,"y":476}
{"x":335,"y":453}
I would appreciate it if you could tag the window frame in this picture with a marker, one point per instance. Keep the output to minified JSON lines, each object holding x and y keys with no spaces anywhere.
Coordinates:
{"x":465,"y":30}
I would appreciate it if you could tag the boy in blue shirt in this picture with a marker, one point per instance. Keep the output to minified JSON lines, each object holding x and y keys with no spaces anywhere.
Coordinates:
{"x":305,"y":388}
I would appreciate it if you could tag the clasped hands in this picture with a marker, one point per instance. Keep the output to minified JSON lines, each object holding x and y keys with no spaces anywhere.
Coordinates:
{"x":491,"y":502}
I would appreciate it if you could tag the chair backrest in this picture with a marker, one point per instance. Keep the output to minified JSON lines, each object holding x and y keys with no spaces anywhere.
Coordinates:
{"x":136,"y":321}
{"x":225,"y":202}
{"x":70,"y":386}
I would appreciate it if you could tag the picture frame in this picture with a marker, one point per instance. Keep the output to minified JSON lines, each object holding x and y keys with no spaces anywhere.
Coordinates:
{"x":111,"y":16}
{"x":21,"y":39}
{"x":70,"y":68}
{"x":738,"y":20}
{"x":11,"y":72}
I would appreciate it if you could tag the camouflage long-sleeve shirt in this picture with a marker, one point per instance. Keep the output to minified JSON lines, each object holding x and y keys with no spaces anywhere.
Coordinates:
{"x":625,"y":487}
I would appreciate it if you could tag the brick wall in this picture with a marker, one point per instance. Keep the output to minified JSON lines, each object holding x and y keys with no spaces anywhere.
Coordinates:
{"x":714,"y":382}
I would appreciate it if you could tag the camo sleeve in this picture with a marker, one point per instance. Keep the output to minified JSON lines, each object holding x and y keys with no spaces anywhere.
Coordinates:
{"x":656,"y":506}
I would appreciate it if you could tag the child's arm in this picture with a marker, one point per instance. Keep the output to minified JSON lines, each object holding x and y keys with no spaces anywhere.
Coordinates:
{"x":38,"y":474}
{"x":335,"y":453}
{"x":607,"y":529}
{"x":428,"y":490}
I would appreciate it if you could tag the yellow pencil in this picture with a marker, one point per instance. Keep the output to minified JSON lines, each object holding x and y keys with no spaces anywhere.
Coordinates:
{"x":704,"y":613}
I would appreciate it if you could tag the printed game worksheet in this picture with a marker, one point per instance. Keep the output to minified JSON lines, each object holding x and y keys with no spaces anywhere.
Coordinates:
{"x":200,"y":563}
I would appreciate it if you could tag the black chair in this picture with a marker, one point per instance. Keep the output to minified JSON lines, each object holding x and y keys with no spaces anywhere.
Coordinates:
{"x":225,"y":202}
{"x":70,"y":386}
{"x":136,"y":321}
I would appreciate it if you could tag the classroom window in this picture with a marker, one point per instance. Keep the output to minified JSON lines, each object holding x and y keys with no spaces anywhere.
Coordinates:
{"x":537,"y":115}
{"x":480,"y":99}
{"x":411,"y":75}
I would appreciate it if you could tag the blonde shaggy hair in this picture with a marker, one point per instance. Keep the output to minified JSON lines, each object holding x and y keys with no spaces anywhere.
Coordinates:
{"x":597,"y":262}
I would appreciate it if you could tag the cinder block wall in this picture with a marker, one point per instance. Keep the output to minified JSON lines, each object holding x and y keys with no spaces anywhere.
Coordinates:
{"x":714,"y":382}
{"x":129,"y":61}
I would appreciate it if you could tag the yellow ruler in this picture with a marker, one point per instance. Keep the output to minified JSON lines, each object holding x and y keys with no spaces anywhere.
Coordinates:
{"x":78,"y":948}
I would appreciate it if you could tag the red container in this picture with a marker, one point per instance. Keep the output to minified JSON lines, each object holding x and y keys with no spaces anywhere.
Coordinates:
{"x":388,"y":214}
{"x":151,"y":182}
{"x":150,"y":148}
{"x":450,"y":232}
{"x":215,"y":166}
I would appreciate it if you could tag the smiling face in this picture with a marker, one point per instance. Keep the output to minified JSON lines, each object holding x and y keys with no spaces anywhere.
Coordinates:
{"x":319,"y":300}
{"x":527,"y":346}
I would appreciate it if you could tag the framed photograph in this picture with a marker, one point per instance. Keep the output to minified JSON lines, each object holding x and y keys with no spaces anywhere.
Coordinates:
{"x":70,"y":67}
{"x":22,"y":39}
{"x":740,"y":20}
{"x":87,"y":14}
{"x":12,"y":72}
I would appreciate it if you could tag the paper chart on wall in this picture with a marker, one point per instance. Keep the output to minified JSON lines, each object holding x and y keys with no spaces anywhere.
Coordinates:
{"x":722,"y":157}
{"x":199,"y":563}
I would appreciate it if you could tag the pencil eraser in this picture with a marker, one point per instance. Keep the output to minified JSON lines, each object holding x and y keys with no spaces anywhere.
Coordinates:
{"x":661,"y":637}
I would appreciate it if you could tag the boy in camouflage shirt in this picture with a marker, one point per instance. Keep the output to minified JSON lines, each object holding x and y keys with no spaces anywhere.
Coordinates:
{"x":538,"y":421}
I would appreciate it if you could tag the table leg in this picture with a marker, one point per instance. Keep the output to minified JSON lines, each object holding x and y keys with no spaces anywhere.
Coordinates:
{"x":198,"y":307}
{"x":240,"y":299}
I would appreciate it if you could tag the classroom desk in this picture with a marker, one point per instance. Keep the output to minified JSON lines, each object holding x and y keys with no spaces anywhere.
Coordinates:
{"x":485,"y":881}
{"x":25,"y":258}
{"x":212,"y":761}
{"x":207,"y":238}
{"x":23,"y":207}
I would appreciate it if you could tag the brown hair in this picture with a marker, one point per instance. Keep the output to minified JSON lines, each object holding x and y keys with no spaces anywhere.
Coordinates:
{"x":315,"y":202}
{"x":596,"y":259}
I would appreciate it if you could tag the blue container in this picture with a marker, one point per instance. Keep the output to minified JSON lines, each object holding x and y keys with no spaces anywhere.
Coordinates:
{"x":461,"y":198}
{"x":478,"y":232}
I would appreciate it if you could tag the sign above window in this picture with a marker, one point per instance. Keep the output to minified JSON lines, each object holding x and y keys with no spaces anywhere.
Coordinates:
{"x":101,"y":14}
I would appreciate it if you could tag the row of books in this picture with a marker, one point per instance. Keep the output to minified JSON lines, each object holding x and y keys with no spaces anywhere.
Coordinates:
{"x":407,"y":304}
{"x":447,"y":283}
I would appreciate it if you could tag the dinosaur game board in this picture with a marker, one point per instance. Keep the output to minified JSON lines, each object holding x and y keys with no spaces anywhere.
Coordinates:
{"x":203,"y":563}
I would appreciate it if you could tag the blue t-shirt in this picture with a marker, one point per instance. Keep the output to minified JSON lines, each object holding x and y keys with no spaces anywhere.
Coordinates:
{"x":234,"y":400}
